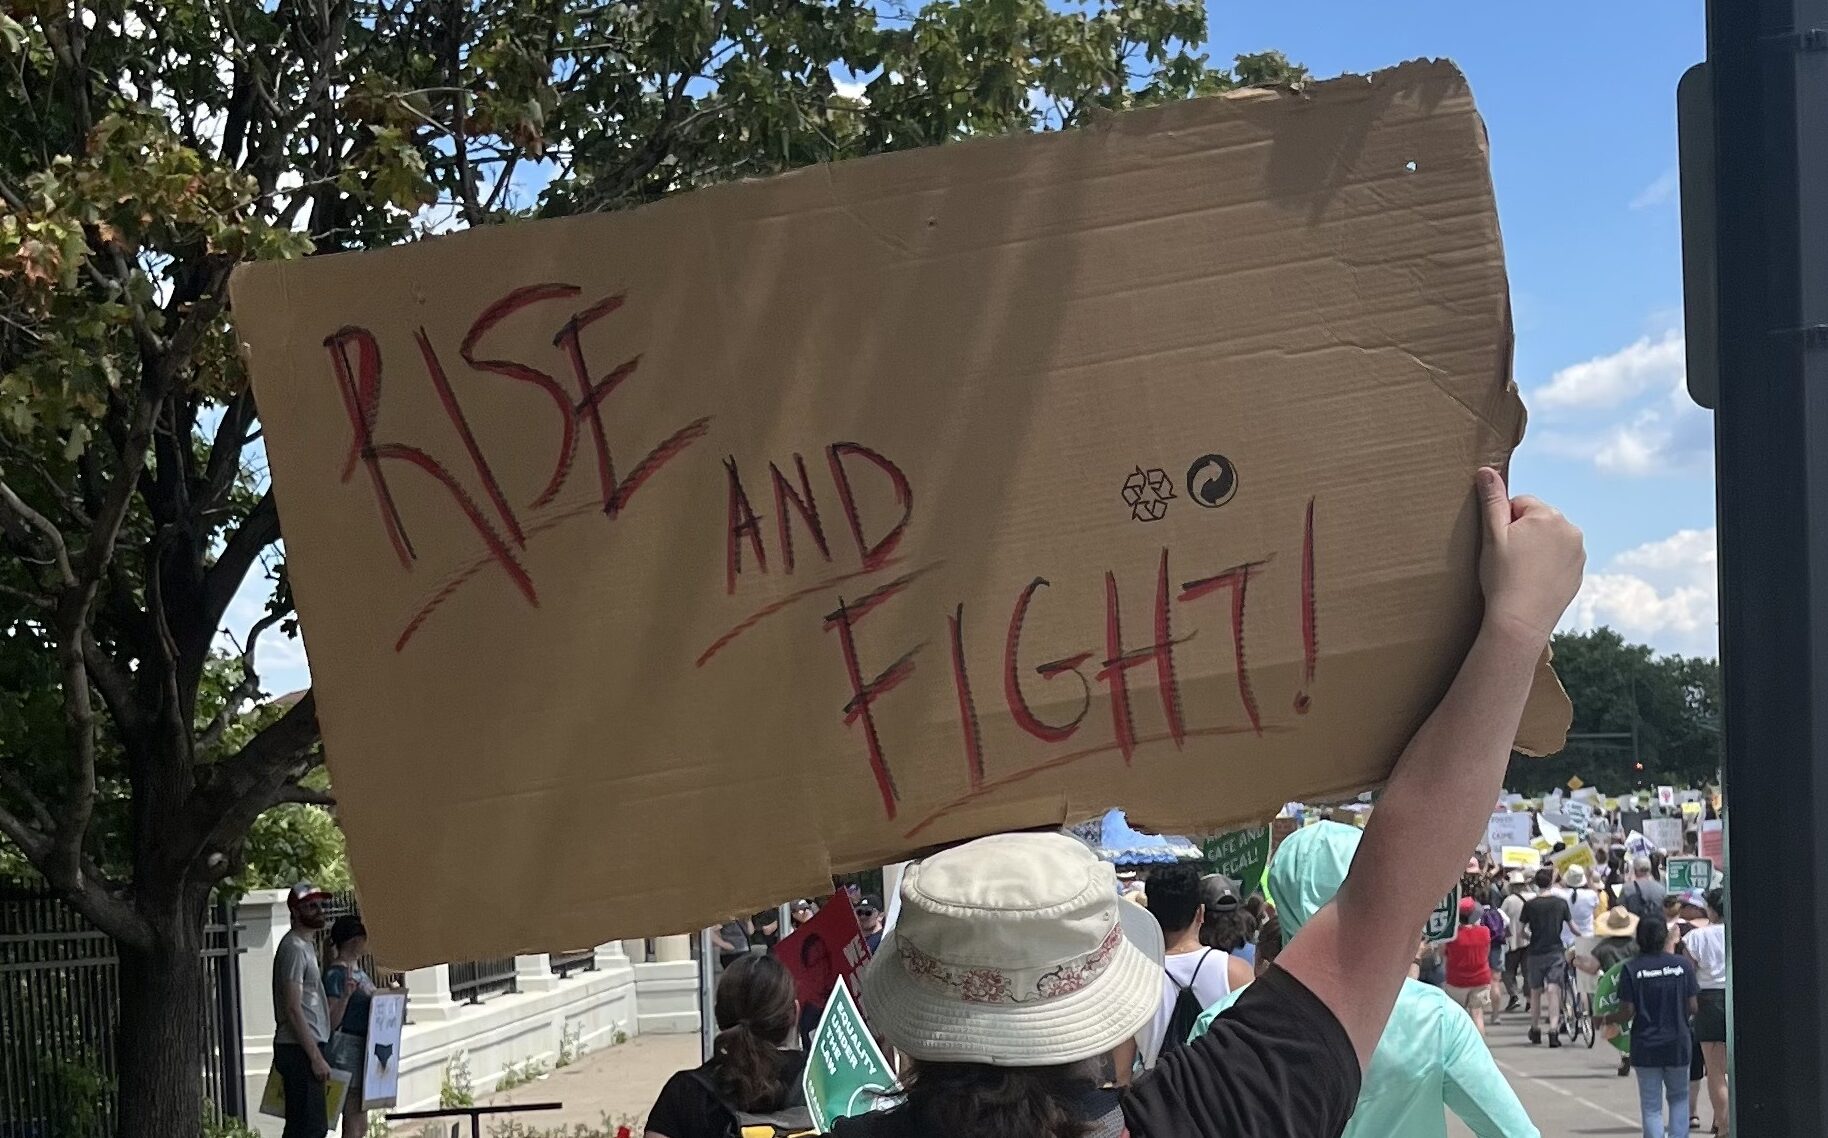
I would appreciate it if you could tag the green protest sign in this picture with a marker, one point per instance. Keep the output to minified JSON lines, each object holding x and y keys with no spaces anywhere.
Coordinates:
{"x":846,"y":1072}
{"x":1688,"y":873}
{"x":1606,"y":1002}
{"x":1240,"y":855}
{"x":1445,"y":919}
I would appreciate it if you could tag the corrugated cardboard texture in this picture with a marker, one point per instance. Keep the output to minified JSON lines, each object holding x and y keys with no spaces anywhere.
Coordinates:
{"x":655,"y":565}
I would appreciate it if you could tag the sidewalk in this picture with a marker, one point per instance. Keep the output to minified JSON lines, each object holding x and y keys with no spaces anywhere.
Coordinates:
{"x":605,"y":1089}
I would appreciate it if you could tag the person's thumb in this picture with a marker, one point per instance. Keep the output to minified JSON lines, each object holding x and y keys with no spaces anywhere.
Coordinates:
{"x":1496,"y":502}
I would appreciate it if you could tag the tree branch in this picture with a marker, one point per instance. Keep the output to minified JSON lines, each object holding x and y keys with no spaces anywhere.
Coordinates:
{"x":257,"y":531}
{"x":248,"y":687}
{"x":53,"y":537}
{"x":293,"y":792}
{"x":239,"y":788}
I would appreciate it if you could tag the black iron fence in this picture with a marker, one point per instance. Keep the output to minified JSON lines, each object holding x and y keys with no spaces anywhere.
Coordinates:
{"x":474,"y":980}
{"x":578,"y":960}
{"x":59,"y":1010}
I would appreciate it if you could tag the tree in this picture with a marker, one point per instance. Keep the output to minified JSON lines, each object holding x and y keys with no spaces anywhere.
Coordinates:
{"x":148,"y":147}
{"x":1672,"y":703}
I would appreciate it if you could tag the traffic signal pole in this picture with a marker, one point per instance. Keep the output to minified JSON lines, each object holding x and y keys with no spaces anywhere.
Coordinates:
{"x":1768,"y":73}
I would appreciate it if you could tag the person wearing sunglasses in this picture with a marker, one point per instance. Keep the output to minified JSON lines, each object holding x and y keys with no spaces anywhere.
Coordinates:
{"x":302,"y":1014}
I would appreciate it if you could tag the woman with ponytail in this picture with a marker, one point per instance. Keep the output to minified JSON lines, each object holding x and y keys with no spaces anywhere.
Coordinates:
{"x":750,"y":1071}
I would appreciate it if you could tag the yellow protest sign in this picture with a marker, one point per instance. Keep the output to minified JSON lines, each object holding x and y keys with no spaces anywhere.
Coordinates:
{"x":1574,"y":783}
{"x":1519,"y":857}
{"x":1580,"y":854}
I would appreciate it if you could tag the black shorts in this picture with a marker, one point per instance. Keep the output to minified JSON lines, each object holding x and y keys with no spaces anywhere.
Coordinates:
{"x":1710,"y":1017}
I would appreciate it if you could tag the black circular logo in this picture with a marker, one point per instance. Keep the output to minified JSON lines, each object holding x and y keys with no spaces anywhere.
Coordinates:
{"x":1212,"y":480}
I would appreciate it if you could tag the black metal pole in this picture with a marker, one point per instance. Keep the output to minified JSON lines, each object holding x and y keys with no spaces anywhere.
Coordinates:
{"x":1769,"y":75}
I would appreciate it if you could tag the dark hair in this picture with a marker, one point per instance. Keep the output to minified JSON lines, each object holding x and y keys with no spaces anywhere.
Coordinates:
{"x":1228,"y":930}
{"x":1545,"y":877}
{"x":345,"y":929}
{"x":972,"y":1099}
{"x":1653,"y":935}
{"x":1253,"y":905}
{"x":1716,"y":899}
{"x":1269,"y":939}
{"x":1174,"y":898}
{"x":755,"y":1015}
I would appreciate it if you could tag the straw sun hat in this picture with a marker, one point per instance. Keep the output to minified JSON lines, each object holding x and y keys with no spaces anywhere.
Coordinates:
{"x":1014,"y":951}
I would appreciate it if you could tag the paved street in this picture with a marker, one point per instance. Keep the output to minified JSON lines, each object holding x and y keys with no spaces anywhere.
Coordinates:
{"x":1570,"y":1091}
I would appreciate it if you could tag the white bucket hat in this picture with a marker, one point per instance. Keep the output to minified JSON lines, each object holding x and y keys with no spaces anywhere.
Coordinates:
{"x":1014,"y":951}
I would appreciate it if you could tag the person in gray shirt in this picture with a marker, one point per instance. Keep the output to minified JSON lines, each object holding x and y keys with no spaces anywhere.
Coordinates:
{"x":302,"y":1015}
{"x":1643,"y":895}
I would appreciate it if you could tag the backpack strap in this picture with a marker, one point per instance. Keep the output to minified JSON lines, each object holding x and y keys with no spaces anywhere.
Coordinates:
{"x":1193,"y":979}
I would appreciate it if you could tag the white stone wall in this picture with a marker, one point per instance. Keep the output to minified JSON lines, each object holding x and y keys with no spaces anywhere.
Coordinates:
{"x":595,"y":1007}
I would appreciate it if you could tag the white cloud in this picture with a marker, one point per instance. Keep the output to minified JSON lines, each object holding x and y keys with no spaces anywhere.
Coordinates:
{"x":1658,"y":192}
{"x":1611,"y":380}
{"x":1663,"y":593}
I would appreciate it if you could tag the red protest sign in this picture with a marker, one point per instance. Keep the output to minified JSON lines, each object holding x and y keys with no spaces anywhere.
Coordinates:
{"x":825,"y":949}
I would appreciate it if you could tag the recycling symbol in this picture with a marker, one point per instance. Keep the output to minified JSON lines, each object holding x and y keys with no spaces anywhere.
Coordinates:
{"x":1147,"y":493}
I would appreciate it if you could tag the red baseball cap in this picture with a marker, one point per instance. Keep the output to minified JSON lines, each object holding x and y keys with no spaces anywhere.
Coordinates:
{"x":1467,"y":904}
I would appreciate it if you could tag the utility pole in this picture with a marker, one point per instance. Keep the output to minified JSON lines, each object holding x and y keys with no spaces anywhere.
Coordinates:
{"x":1767,"y":285}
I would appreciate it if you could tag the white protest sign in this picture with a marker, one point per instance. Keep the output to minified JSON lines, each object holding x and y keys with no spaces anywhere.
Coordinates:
{"x":381,"y":1063}
{"x":1666,"y":796}
{"x":1578,"y":815}
{"x":1551,"y":833}
{"x":1664,"y":833}
{"x":1508,"y":829}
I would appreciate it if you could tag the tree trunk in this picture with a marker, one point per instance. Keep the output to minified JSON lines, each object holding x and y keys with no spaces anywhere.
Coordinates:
{"x":160,"y":1039}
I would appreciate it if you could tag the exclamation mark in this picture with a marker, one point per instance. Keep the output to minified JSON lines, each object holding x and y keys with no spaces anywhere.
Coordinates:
{"x":1309,"y":634}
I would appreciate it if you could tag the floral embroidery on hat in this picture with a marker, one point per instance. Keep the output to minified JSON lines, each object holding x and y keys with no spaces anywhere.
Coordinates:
{"x":995,"y":986}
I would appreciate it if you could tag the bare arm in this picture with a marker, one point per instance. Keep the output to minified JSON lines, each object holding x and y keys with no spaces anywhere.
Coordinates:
{"x":1353,"y":954}
{"x":1239,"y":971}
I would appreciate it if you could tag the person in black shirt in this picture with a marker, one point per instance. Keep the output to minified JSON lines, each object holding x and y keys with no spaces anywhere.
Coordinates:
{"x":1015,"y":975}
{"x":1544,"y":916}
{"x":750,"y":1070}
{"x":1657,"y":996}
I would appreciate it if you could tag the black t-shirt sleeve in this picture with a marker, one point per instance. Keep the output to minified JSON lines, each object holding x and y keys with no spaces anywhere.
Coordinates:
{"x":685,"y":1109}
{"x":1276,"y":1064}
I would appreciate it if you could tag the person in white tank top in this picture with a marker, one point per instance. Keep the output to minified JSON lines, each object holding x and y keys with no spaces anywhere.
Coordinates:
{"x":1174,"y":899}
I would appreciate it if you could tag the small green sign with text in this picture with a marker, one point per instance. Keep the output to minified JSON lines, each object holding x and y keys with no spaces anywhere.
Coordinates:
{"x":1445,"y":920}
{"x":1240,"y":855}
{"x":846,"y":1073}
{"x":1689,"y":873}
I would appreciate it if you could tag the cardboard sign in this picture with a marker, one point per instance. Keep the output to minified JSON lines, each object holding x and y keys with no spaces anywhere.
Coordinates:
{"x":1712,"y":842}
{"x":846,"y":1073}
{"x":1666,"y":796}
{"x":1681,"y":873}
{"x":1664,"y":834}
{"x":381,"y":1078}
{"x":1507,"y":829}
{"x":824,"y":950}
{"x":1241,"y":855}
{"x":1574,"y":782}
{"x":1444,"y":920}
{"x":920,"y":497}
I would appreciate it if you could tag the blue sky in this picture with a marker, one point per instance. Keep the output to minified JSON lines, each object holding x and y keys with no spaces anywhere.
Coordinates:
{"x":1580,"y":103}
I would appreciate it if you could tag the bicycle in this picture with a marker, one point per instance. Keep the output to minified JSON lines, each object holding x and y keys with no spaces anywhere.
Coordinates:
{"x":1577,"y":1015}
